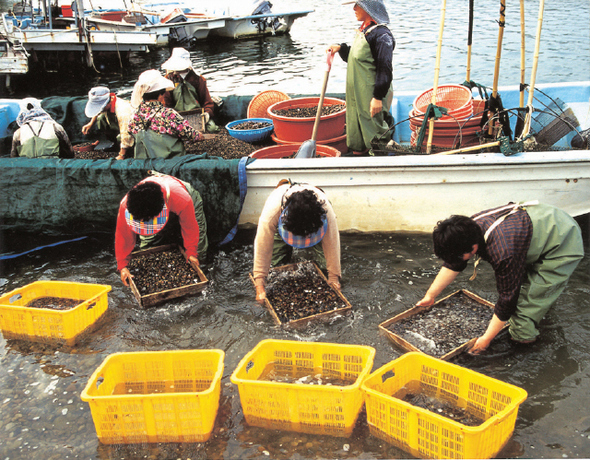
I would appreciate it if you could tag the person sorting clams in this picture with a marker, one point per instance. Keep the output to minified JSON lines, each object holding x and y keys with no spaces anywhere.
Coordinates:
{"x":190,"y":90}
{"x":533,"y":248}
{"x":369,"y":76}
{"x":160,"y":209}
{"x":39,"y":135}
{"x":159,"y":131}
{"x":110,"y":114}
{"x":296,"y":216}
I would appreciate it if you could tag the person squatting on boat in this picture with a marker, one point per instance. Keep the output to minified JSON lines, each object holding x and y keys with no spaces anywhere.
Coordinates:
{"x":112,"y":115}
{"x":533,"y":248}
{"x":369,"y":76}
{"x":39,"y":135}
{"x":296,"y":216}
{"x":161,"y":209}
{"x":190,"y":90}
{"x":159,"y":131}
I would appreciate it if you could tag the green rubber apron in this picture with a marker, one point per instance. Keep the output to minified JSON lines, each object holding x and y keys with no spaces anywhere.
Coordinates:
{"x":150,"y":144}
{"x":185,"y":97}
{"x":361,"y":128}
{"x":43,"y":143}
{"x":108,"y":123}
{"x":554,"y":253}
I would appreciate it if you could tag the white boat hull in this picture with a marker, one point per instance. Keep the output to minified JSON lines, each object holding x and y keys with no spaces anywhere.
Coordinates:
{"x":251,"y":26}
{"x":411,"y":193}
{"x":70,"y":40}
{"x":195,"y":29}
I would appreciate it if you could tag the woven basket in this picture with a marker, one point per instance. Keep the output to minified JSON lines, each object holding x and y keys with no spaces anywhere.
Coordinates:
{"x":262,"y":101}
{"x":453,"y":97}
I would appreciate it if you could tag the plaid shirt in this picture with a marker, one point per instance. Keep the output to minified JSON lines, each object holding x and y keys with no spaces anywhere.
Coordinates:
{"x":506,"y":250}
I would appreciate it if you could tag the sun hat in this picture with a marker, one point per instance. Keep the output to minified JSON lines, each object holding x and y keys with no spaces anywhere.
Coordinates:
{"x":374,"y":8}
{"x":150,"y":226}
{"x":179,"y":60}
{"x":148,"y":82}
{"x":98,"y":98}
{"x":302,"y":242}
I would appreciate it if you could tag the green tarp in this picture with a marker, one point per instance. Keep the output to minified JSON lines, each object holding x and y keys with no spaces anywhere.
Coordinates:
{"x":72,"y":197}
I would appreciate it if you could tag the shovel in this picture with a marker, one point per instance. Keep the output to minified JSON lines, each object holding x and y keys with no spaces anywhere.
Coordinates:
{"x":307,"y":149}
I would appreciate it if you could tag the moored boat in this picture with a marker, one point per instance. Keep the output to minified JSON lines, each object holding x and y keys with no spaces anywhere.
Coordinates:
{"x":242,"y":19}
{"x":180,"y":32}
{"x":408,"y":192}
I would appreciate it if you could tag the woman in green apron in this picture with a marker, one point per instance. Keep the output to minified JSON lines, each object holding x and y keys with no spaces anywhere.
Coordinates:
{"x":39,"y":135}
{"x":369,"y":77}
{"x":159,"y":131}
{"x":190,"y":91}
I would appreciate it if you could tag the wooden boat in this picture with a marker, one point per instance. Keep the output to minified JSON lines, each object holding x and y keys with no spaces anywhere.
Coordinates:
{"x":382,"y":193}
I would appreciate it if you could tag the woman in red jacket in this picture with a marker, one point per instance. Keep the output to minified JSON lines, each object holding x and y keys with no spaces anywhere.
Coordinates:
{"x":153,"y":209}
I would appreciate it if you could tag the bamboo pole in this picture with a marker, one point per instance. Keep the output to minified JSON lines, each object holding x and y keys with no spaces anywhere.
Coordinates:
{"x":470,"y":149}
{"x":436,"y":73}
{"x":527,"y":124}
{"x":522,"y":53}
{"x":501,"y":23}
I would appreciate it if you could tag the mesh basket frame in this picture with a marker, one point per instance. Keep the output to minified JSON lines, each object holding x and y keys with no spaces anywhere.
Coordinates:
{"x":262,"y":101}
{"x":453,"y":97}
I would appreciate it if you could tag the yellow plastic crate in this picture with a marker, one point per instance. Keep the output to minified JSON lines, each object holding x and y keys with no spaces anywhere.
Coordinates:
{"x":155,"y":396}
{"x":316,"y":409}
{"x":17,"y":321}
{"x":426,"y":434}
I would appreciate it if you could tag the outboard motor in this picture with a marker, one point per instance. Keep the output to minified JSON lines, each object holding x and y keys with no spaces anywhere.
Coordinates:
{"x":264,"y":7}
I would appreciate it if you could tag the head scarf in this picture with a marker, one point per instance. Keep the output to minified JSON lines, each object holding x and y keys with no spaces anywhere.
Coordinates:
{"x":149,"y":81}
{"x":179,"y":60}
{"x":31,"y":110}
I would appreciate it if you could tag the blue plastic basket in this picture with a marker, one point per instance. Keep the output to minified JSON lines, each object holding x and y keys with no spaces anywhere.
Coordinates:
{"x":250,"y":135}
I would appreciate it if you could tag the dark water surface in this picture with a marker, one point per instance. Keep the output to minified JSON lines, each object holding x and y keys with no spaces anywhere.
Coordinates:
{"x":296,"y":63}
{"x":41,"y":413}
{"x":383,"y":275}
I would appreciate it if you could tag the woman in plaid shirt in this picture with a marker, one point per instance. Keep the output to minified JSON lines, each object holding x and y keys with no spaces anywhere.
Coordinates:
{"x":533,"y":248}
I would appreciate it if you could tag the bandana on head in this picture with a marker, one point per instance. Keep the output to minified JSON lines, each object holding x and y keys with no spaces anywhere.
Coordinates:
{"x":302,"y":242}
{"x":147,"y":227}
{"x":35,"y":112}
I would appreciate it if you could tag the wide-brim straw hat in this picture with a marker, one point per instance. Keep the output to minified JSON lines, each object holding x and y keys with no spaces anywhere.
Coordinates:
{"x":148,"y":82}
{"x":179,"y":60}
{"x":98,"y":98}
{"x":374,"y":8}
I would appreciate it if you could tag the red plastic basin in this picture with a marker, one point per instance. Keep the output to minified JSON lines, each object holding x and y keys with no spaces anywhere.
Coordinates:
{"x":294,"y":129}
{"x":289,"y":150}
{"x":339,"y":143}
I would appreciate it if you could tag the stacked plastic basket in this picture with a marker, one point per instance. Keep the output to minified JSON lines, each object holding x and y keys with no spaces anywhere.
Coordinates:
{"x":459,"y":127}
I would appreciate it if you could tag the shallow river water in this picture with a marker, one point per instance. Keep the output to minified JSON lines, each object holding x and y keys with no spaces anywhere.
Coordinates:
{"x":383,"y":275}
{"x":41,"y":413}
